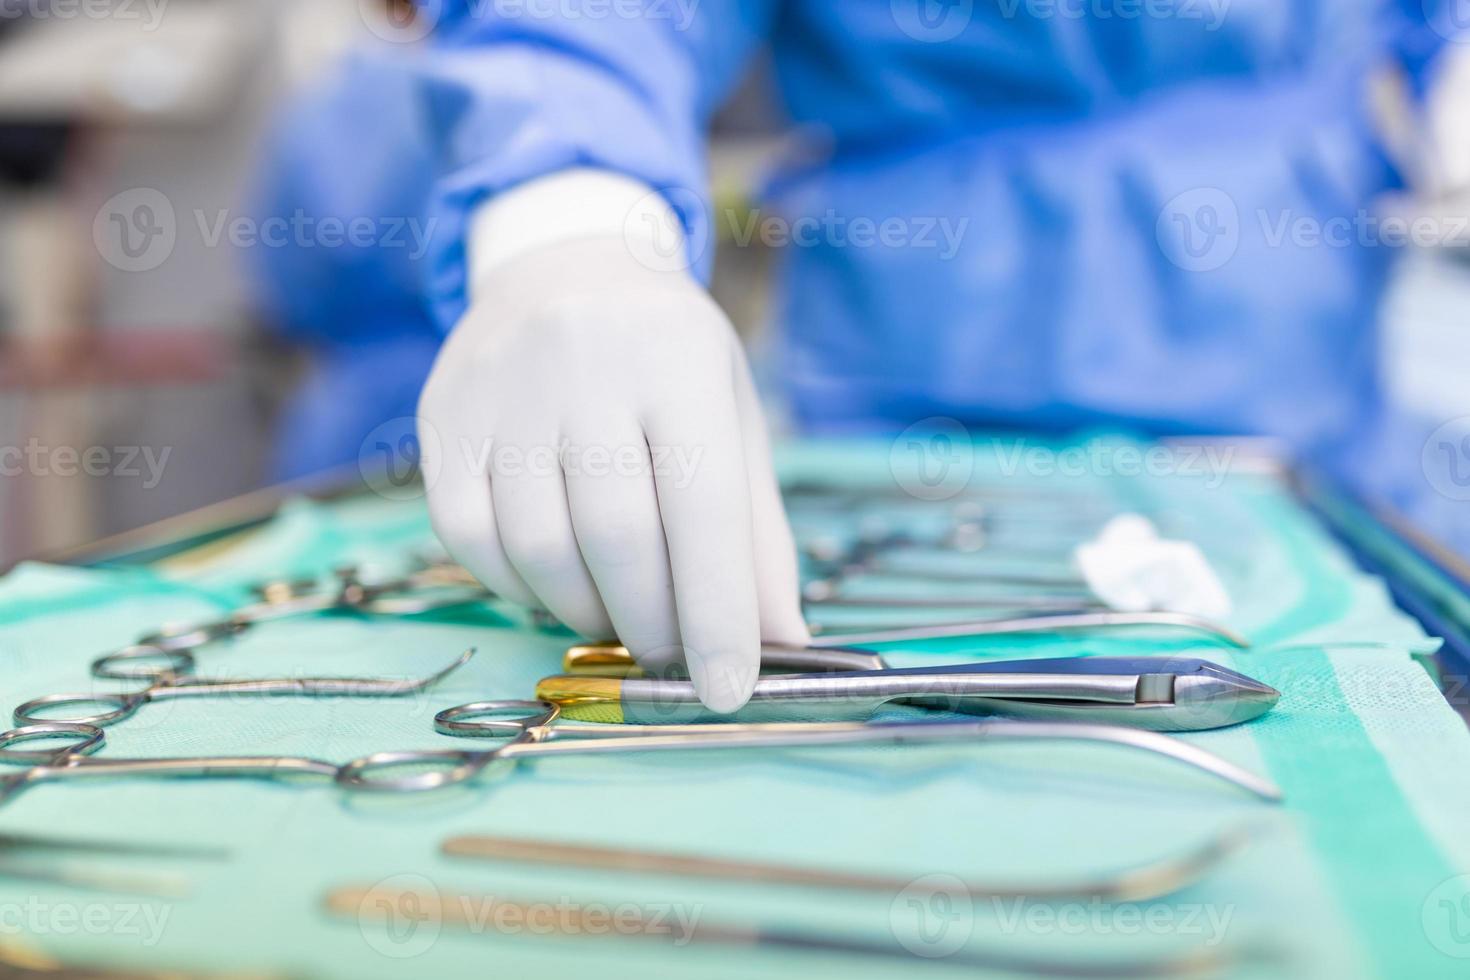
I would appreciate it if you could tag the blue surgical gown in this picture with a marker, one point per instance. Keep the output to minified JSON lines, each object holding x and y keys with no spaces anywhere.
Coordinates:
{"x":1094,"y":209}
{"x":342,"y":206}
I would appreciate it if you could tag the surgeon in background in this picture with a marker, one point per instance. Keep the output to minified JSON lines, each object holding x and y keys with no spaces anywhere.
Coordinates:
{"x":353,"y":149}
{"x":1117,"y":173}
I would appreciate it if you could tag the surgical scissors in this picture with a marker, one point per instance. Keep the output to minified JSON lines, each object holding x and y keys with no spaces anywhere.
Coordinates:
{"x":1064,"y":622}
{"x":1067,"y":607}
{"x":874,"y":554}
{"x":535,"y":730}
{"x":832,"y":594}
{"x":611,"y":660}
{"x":174,"y":679}
{"x":883,"y":565}
{"x":439,"y":585}
{"x":843,"y":651}
{"x":75,"y":760}
{"x":531,"y":735}
{"x":970,"y":531}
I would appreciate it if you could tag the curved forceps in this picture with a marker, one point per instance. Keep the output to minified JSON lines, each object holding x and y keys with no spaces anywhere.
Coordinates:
{"x":174,"y":679}
{"x":534,"y":730}
{"x":829,"y":592}
{"x":438,"y":585}
{"x":847,"y":635}
{"x":74,"y":760}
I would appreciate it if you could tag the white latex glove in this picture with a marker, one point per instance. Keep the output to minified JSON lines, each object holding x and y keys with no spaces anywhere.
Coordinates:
{"x":601,"y":452}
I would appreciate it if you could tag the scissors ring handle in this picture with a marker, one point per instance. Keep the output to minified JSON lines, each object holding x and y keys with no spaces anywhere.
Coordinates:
{"x":86,"y":740}
{"x":285,"y":590}
{"x":171,"y":664}
{"x":121,"y":706}
{"x":475,"y":721}
{"x":452,"y":767}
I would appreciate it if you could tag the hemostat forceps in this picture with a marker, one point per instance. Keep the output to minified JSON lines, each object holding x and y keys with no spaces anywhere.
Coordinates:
{"x":535,"y":733}
{"x":74,"y":761}
{"x":174,"y":679}
{"x":874,"y":556}
{"x":1159,"y":693}
{"x":611,"y":660}
{"x":831,"y":592}
{"x":532,"y":735}
{"x":842,"y":651}
{"x":436,"y":586}
{"x":1048,"y":623}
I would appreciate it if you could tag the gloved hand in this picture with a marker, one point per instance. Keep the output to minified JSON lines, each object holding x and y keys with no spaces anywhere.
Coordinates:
{"x":601,"y":453}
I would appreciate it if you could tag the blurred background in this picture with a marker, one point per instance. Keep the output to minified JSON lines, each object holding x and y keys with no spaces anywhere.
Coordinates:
{"x":144,"y":370}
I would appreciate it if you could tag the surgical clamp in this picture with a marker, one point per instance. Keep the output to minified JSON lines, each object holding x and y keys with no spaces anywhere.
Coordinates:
{"x":436,"y":586}
{"x":75,"y":761}
{"x":174,"y":679}
{"x":841,"y":651}
{"x":832,"y":593}
{"x":1049,"y":623}
{"x":612,"y":660}
{"x":534,"y":733}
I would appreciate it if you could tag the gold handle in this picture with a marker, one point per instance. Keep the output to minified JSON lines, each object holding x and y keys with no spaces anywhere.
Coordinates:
{"x":600,"y":660}
{"x":596,"y":699}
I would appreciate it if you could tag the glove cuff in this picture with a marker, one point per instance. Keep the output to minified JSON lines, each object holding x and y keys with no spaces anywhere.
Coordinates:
{"x":577,"y":203}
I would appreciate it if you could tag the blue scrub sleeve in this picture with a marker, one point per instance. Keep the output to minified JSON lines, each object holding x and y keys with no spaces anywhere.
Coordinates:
{"x":1424,"y":29}
{"x":517,"y":90}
